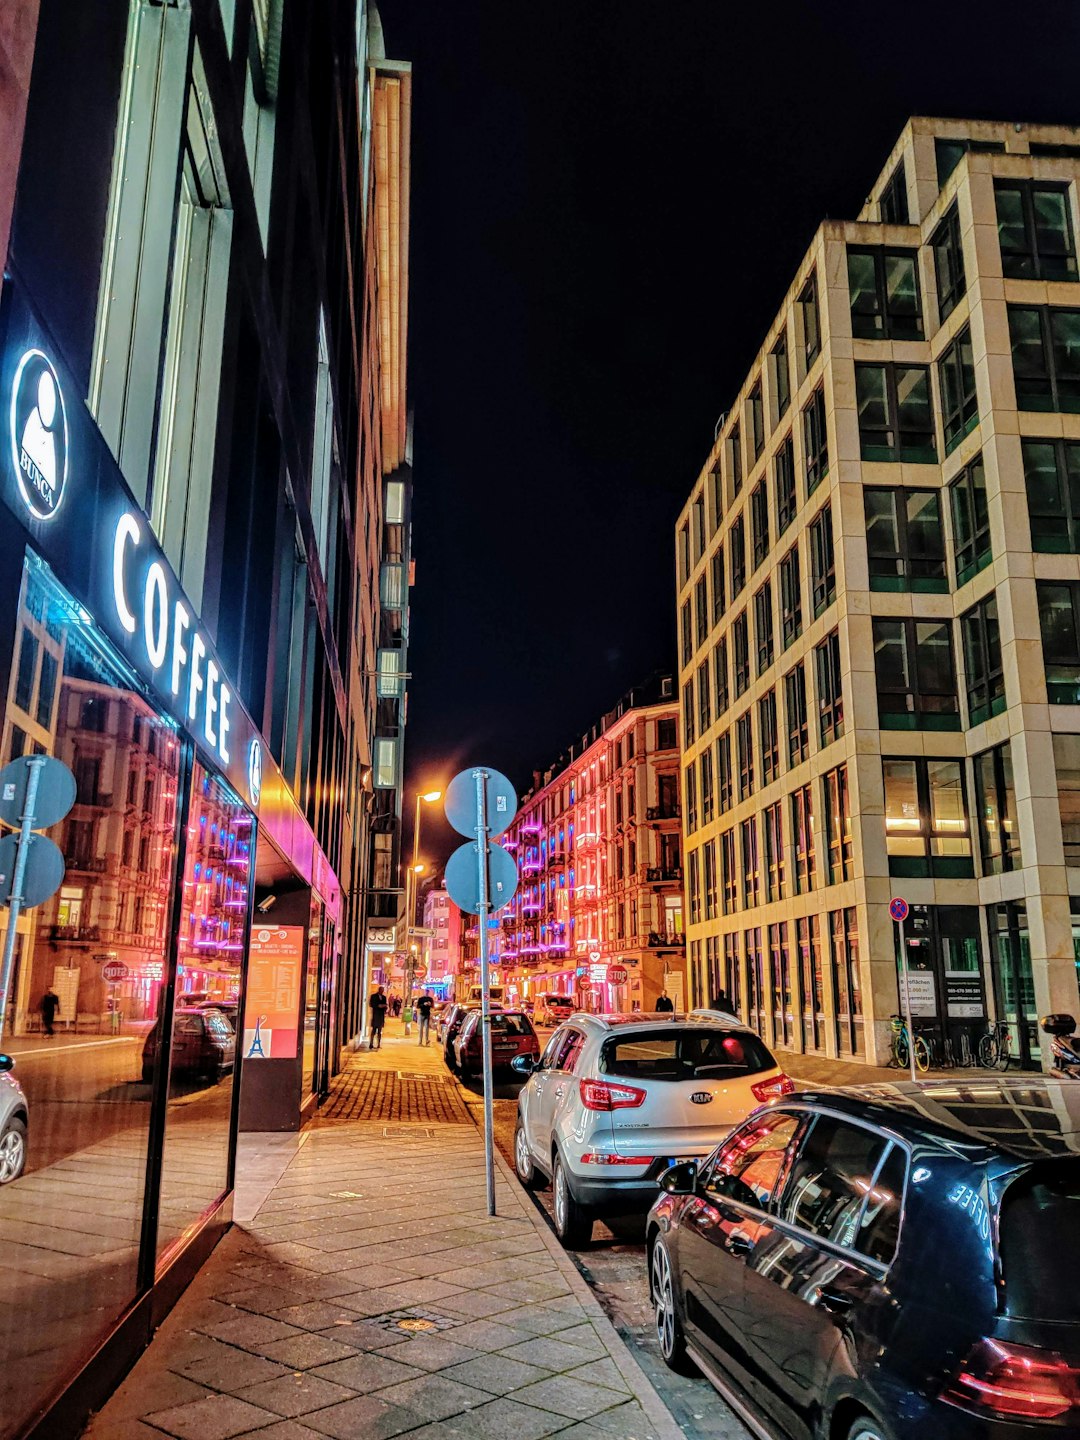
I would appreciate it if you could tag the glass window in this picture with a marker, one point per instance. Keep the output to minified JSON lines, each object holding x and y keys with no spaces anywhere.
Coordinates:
{"x":844,"y":1188}
{"x":686,"y":630}
{"x":1052,"y":476}
{"x":790,"y":597}
{"x":948,"y":249}
{"x":1034,"y":230}
{"x":847,"y":981}
{"x":949,"y":153}
{"x":822,"y":562}
{"x":830,"y":693}
{"x":724,"y":772}
{"x":795,"y":711}
{"x":757,"y":420}
{"x":720,"y":676}
{"x":959,"y":402}
{"x":884,"y":286}
{"x":734,"y":453}
{"x":985,"y":674}
{"x":896,"y":417}
{"x":1067,"y":766}
{"x":893,"y":205}
{"x":773,"y":824}
{"x":701,"y":608}
{"x":905,"y":544}
{"x":694,"y":885}
{"x":763,"y":627}
{"x":804,"y":849}
{"x":784,"y":480}
{"x":808,"y":323}
{"x":737,"y":549}
{"x":999,"y":834}
{"x":744,"y":745}
{"x":815,"y":441}
{"x":728,"y":873}
{"x":747,"y":1166}
{"x":926,"y":824}
{"x":811,"y":982}
{"x":740,"y":635}
{"x":705,"y":776}
{"x":719,"y":586}
{"x":688,"y":713}
{"x":704,"y":695}
{"x":716,"y":498}
{"x":751,"y":863}
{"x":916,"y":680}
{"x":683,"y":548}
{"x":781,"y":375}
{"x":759,"y":523}
{"x":1046,"y":357}
{"x":1059,"y":622}
{"x":690,"y":793}
{"x":971,"y":521}
{"x":769,"y":740}
{"x":837,"y":825}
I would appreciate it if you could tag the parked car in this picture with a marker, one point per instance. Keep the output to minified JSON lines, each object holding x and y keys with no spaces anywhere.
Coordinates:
{"x":554,"y":1009}
{"x":203,"y":1044}
{"x":441,"y":1019}
{"x":512,"y":1035}
{"x":881,"y":1263}
{"x":616,"y":1099}
{"x":229,"y":1008}
{"x":14,"y":1118}
{"x":450,"y":1025}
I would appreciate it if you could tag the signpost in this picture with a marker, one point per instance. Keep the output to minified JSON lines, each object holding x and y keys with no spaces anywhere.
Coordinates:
{"x":898,"y":909}
{"x":482,"y":802}
{"x":617,"y":974}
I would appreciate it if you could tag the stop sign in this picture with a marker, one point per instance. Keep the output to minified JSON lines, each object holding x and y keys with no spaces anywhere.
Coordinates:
{"x":114,"y":971}
{"x":617,"y":974}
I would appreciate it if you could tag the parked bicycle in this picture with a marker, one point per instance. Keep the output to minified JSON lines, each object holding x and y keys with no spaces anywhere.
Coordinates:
{"x":900,"y":1054}
{"x":995,"y":1047}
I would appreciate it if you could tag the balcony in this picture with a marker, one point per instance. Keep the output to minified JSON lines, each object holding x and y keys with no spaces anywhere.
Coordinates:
{"x":75,"y":934}
{"x":656,"y":873}
{"x":663,"y":812}
{"x":659,"y":941}
{"x":88,"y":864}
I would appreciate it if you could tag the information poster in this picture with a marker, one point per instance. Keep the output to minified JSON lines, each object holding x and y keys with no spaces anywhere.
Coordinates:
{"x":923,"y":990}
{"x":275,"y":969}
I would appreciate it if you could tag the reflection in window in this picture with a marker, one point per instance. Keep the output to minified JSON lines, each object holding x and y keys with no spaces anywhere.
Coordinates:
{"x":1052,"y":476}
{"x":905,"y":544}
{"x":999,"y":833}
{"x":1059,"y":621}
{"x":1034,"y":230}
{"x":926,"y":825}
{"x":884,"y":290}
{"x":982,"y":660}
{"x":1067,"y":766}
{"x":971,"y":521}
{"x":896,"y":418}
{"x":916,"y":682}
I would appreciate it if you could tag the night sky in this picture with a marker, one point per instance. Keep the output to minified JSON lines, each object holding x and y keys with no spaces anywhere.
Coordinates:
{"x":608,"y":202}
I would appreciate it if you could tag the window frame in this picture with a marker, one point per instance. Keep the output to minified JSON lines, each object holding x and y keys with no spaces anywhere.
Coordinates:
{"x":828,"y":678}
{"x":768,"y":737}
{"x":759,"y":524}
{"x":977,"y":552}
{"x":791,"y":617}
{"x":957,"y":388}
{"x":784,"y":487}
{"x":1046,"y":385}
{"x":1061,"y":690}
{"x":815,"y":445}
{"x":740,"y":638}
{"x":904,"y":577}
{"x":839,"y":831}
{"x":929,"y":865}
{"x":947,"y":245}
{"x":1063,"y":524}
{"x":974,"y":624}
{"x":1042,"y":267}
{"x":822,"y":561}
{"x":744,"y":754}
{"x":764,"y":628}
{"x":796,"y":717}
{"x":889,"y":324}
{"x":924,"y":713}
{"x":896,"y":451}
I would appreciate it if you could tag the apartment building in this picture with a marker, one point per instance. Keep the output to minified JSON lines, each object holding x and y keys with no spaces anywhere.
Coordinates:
{"x":878,"y":575}
{"x":598,"y":910}
{"x":442,"y":942}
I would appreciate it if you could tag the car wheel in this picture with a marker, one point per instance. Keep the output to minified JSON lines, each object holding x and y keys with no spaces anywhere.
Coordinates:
{"x":867,"y":1428}
{"x":669,"y":1331}
{"x":524,"y":1168}
{"x":573,"y":1223}
{"x":12,"y":1150}
{"x":448,"y":1056}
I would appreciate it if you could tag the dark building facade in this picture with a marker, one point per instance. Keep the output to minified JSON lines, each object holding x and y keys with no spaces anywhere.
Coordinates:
{"x":205,"y":489}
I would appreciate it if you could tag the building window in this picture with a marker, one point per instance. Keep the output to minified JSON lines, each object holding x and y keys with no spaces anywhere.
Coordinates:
{"x":384,"y":771}
{"x":734,"y":451}
{"x":688,"y":713}
{"x":744,"y":747}
{"x":959,"y":402}
{"x":802,"y":840}
{"x":781,"y":375}
{"x":772,"y":820}
{"x":926,"y":822}
{"x":716,"y":498}
{"x":884,"y":286}
{"x":830,"y":693}
{"x":1046,"y":357}
{"x":784,"y":480}
{"x":763,"y":627}
{"x":686,"y":628}
{"x":390,"y":682}
{"x":667,"y":735}
{"x":822,"y":562}
{"x":905,"y":545}
{"x":751,"y":860}
{"x":949,"y":153}
{"x":693,"y":885}
{"x":729,"y":870}
{"x":1059,"y":621}
{"x":1052,"y":476}
{"x":697,"y":526}
{"x":759,"y":523}
{"x":1034,"y":230}
{"x":837,"y":825}
{"x":724,"y":787}
{"x":896,"y":418}
{"x":790,"y":597}
{"x":720,"y":676}
{"x":916,"y":679}
{"x":971,"y":521}
{"x":704,"y":696}
{"x":683,"y":552}
{"x":740,"y":636}
{"x":705,"y":779}
{"x":847,"y":981}
{"x":737,"y":547}
{"x":708,"y":856}
{"x":719,"y":588}
{"x":893,"y":205}
{"x":798,"y":733}
{"x":701,"y":609}
{"x":811,"y":982}
{"x":808,"y":323}
{"x":815,"y":441}
{"x":690,"y":792}
{"x":1067,"y":768}
{"x":982,"y":661}
{"x":948,"y":248}
{"x":757,"y":420}
{"x":768,"y":738}
{"x":995,"y":795}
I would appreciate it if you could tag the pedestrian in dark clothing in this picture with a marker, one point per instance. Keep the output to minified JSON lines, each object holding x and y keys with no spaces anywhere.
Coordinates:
{"x":722,"y":1001}
{"x":395,"y":1006}
{"x":377,"y":1006}
{"x":50,"y":1008}
{"x":424,"y":1007}
{"x":665,"y":1004}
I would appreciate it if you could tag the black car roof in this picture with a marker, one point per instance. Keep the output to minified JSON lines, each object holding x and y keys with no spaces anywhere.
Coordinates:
{"x":1027,"y":1118}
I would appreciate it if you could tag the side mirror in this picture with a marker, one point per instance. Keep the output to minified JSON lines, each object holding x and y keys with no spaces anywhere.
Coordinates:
{"x":6,"y":1062}
{"x":523,"y":1064}
{"x":680,"y":1179}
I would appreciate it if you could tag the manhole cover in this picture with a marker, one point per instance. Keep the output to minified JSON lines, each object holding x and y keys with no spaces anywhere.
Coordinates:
{"x":419,"y":1075}
{"x":346,"y":1195}
{"x":417,"y":1324}
{"x":415,"y":1321}
{"x":408,"y":1132}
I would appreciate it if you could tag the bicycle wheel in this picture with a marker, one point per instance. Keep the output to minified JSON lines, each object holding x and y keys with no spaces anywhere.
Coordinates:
{"x":988,"y":1051}
{"x":1004,"y":1055}
{"x":900,"y":1051}
{"x":922,"y":1054}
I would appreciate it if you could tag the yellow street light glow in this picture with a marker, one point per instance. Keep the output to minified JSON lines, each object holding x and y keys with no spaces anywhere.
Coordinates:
{"x":432,"y":796}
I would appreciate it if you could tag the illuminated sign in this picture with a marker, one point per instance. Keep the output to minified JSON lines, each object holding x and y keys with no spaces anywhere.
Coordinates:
{"x":254,"y":772}
{"x":39,"y":435}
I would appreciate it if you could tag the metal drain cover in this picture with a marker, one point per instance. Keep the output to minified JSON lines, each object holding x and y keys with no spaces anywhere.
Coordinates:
{"x":408,"y":1132}
{"x":417,"y":1324}
{"x":419,"y":1075}
{"x":415,"y":1321}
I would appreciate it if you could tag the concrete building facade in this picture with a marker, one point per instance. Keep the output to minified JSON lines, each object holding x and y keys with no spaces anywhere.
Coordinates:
{"x":878,"y":576}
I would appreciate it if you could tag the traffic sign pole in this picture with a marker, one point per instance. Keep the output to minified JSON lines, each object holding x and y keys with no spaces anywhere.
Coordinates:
{"x":26,"y":828}
{"x":898,"y":909}
{"x":481,"y":776}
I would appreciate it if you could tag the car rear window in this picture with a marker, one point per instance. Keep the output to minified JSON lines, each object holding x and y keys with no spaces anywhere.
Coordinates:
{"x":1040,"y":1259}
{"x":695,"y":1053}
{"x":511,"y":1024}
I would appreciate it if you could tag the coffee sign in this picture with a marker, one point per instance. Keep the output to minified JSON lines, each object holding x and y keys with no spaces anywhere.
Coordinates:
{"x":39,"y":435}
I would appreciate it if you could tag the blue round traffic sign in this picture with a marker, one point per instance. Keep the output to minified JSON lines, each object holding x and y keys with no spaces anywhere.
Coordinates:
{"x":461,"y":808}
{"x":898,"y":908}
{"x":462,"y":877}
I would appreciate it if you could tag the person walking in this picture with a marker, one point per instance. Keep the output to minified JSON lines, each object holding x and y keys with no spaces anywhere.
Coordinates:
{"x":664,"y":1004}
{"x":424,"y":1006}
{"x":722,"y":1001}
{"x":50,"y":1008}
{"x":377,"y":1006}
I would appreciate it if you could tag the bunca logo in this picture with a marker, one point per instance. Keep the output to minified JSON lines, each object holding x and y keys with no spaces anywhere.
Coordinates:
{"x":254,"y":772}
{"x":39,"y":435}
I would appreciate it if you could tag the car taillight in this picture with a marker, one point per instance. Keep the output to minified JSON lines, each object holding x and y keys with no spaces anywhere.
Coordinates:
{"x":770,"y":1089}
{"x":1016,"y":1380}
{"x":595,"y":1157}
{"x":601,"y":1095}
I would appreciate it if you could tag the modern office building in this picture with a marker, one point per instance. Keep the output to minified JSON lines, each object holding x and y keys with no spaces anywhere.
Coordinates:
{"x":879,"y":617}
{"x":204,"y":567}
{"x":598,"y":910}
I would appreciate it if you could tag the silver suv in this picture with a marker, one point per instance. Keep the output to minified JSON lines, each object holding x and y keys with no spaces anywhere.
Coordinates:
{"x":616,"y":1099}
{"x":13,"y":1117}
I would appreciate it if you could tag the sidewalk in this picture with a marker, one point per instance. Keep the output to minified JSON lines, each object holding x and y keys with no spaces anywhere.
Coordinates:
{"x":371,"y":1297}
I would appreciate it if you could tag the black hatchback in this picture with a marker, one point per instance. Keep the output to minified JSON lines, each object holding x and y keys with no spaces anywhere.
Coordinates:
{"x":883,"y":1262}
